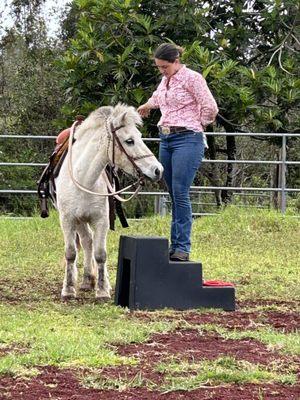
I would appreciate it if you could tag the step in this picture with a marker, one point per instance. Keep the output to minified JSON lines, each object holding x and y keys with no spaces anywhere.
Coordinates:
{"x":147,"y":280}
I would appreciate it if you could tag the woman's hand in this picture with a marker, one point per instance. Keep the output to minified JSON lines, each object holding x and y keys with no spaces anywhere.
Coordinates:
{"x":144,"y":110}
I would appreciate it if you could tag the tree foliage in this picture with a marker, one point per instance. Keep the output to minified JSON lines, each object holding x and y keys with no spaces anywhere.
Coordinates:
{"x":30,"y":91}
{"x":245,"y":51}
{"x":30,"y":98}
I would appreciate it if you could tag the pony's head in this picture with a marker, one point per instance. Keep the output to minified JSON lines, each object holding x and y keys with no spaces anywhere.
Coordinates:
{"x":130,"y":152}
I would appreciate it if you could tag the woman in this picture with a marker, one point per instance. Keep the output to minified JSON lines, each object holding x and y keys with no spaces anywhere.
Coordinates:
{"x":187,"y":107}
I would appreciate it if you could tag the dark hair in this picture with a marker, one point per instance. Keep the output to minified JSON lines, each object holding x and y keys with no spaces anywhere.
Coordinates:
{"x":168,"y":52}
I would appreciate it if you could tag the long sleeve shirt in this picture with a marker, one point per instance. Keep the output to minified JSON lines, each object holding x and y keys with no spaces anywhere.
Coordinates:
{"x":184,"y":100}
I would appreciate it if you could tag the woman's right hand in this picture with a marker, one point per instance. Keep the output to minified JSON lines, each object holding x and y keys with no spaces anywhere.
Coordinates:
{"x":144,"y":110}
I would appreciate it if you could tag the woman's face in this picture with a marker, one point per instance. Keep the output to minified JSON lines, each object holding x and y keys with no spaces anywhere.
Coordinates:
{"x":167,"y":68}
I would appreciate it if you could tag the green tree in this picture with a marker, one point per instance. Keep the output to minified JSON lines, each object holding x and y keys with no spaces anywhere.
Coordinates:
{"x":30,"y":99}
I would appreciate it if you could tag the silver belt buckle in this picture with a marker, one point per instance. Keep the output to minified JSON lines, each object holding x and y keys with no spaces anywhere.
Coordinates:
{"x":165,"y":130}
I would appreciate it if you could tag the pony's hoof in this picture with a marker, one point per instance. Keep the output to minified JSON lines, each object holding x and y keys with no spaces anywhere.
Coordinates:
{"x":102,"y":296}
{"x":69,"y":294}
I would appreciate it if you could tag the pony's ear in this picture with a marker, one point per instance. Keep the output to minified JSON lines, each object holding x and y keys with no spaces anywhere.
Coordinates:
{"x":119,"y":120}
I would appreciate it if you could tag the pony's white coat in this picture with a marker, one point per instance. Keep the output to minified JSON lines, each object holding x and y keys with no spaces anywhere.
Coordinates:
{"x":85,"y":214}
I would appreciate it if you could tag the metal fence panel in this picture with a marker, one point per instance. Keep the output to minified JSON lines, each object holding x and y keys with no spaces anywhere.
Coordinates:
{"x":283,"y":162}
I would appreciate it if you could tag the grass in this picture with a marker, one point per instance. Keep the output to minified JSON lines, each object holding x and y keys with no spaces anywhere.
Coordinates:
{"x":94,"y":380}
{"x":223,"y":370}
{"x":187,"y":376}
{"x":69,"y":336}
{"x":257,"y":250}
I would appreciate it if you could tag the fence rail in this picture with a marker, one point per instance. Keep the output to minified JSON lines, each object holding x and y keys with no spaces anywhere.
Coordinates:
{"x":283,"y":190}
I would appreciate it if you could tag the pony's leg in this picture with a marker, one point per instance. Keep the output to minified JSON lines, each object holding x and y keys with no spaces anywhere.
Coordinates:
{"x":103,"y":287}
{"x":70,"y":280}
{"x":86,"y":240}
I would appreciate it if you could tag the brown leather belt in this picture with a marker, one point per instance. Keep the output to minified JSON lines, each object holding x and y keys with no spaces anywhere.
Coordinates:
{"x":166,"y":130}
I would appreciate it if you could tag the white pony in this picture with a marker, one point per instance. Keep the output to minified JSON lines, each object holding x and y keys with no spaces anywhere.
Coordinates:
{"x":87,"y":214}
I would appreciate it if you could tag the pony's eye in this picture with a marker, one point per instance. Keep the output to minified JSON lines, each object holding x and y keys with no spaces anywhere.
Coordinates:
{"x":130,"y":142}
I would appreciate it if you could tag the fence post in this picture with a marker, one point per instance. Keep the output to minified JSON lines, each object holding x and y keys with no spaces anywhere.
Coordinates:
{"x":157,"y":204}
{"x":283,"y":174}
{"x":163,"y":208}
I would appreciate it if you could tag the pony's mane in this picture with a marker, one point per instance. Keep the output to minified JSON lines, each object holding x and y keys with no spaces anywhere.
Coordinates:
{"x":131,"y":116}
{"x":98,"y":117}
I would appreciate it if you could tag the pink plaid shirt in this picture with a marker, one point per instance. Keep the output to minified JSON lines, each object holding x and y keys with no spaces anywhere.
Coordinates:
{"x":186,"y":102}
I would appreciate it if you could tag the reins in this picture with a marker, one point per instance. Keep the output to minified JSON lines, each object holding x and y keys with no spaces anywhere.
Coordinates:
{"x":113,"y":132}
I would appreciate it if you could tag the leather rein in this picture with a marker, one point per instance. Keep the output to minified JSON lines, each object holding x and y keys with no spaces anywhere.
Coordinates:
{"x":111,"y":133}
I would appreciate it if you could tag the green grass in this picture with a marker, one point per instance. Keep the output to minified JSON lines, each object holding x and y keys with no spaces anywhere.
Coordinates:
{"x":94,"y":380}
{"x":257,"y":250}
{"x":69,"y":336}
{"x":184,"y":375}
{"x":220,"y":371}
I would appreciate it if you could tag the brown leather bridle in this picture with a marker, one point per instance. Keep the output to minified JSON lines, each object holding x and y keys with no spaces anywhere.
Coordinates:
{"x":133,"y":160}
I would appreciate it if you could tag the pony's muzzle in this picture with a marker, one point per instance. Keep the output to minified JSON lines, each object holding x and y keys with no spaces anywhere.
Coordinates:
{"x":157,"y":172}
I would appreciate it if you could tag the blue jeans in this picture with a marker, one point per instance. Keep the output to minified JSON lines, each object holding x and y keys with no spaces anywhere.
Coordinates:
{"x":181,"y":155}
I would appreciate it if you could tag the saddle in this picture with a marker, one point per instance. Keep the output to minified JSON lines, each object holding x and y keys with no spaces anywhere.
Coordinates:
{"x":46,"y":183}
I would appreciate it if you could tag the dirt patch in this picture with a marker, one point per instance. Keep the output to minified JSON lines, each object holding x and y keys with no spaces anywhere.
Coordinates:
{"x":51,"y":383}
{"x":283,"y":321}
{"x":5,"y":351}
{"x":57,"y":384}
{"x":14,"y":348}
{"x":188,"y":344}
{"x":286,"y":322}
{"x":193,"y":345}
{"x":25,"y":291}
{"x":292,"y":304}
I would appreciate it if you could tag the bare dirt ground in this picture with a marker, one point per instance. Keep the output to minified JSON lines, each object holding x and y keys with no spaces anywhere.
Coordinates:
{"x":187,"y":343}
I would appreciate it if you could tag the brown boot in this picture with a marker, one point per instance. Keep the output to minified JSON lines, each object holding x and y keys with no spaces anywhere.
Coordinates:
{"x":179,"y":256}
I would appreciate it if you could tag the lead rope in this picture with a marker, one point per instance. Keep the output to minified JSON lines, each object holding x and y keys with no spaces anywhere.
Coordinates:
{"x":84,"y":189}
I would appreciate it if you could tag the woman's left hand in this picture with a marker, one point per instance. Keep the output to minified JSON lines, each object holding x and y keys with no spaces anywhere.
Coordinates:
{"x":144,"y":110}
